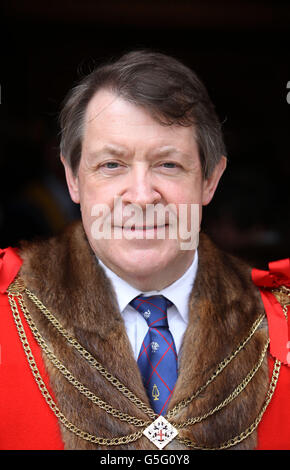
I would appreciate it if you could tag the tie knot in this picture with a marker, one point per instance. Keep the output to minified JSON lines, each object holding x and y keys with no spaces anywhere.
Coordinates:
{"x":153,"y":309}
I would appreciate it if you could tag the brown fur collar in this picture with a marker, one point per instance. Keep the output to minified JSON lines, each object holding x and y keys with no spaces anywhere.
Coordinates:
{"x":63,"y":272}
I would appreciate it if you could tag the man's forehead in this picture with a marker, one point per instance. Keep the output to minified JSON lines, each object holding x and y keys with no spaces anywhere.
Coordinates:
{"x":116,"y":127}
{"x":102,"y":100}
{"x":109,"y":110}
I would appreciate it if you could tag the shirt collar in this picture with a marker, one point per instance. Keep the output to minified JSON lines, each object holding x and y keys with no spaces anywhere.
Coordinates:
{"x":178,"y":292}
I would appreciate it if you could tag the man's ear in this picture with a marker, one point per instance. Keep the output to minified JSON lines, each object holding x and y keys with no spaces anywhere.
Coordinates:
{"x":210,"y":184}
{"x":72,"y":181}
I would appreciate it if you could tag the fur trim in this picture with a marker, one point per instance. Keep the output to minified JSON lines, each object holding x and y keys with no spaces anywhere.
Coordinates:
{"x":64,"y":273}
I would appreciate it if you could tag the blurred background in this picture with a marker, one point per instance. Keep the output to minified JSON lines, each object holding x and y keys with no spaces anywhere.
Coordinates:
{"x":239,"y":49}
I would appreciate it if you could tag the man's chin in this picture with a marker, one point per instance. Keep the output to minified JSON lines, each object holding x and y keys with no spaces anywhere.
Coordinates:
{"x":140,"y":263}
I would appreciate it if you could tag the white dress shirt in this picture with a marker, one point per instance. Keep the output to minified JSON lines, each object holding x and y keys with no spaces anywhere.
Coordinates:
{"x":178,"y":293}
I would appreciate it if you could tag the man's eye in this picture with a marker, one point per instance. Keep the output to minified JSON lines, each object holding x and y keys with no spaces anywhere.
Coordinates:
{"x":111,"y":165}
{"x":169,"y":165}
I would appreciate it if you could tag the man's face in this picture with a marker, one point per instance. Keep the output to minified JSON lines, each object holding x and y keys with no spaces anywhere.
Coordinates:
{"x":127,"y":154}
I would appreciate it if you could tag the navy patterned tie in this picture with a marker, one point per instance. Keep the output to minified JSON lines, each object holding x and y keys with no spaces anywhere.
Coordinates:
{"x":157,"y":359}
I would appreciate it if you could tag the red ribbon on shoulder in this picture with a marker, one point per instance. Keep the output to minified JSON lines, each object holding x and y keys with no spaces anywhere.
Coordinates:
{"x":10,"y":263}
{"x":278,"y":275}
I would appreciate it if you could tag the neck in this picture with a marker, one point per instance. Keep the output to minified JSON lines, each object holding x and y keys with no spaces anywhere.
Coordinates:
{"x":155,"y":281}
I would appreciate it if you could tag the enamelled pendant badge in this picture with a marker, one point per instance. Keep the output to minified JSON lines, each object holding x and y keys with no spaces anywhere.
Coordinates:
{"x":160,"y":432}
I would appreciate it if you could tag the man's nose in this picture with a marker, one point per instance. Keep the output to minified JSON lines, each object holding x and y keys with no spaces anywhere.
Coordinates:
{"x":141,"y":188}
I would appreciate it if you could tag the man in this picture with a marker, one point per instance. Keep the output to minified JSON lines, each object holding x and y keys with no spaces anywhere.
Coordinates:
{"x":118,"y":323}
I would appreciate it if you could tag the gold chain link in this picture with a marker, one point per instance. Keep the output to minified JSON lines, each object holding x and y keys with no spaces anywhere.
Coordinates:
{"x":32,"y":363}
{"x":229,"y":398}
{"x":116,"y":413}
{"x":16,"y":289}
{"x":219,"y":369}
{"x":115,"y":382}
{"x":90,"y":359}
{"x":282,"y":294}
{"x":236,"y":440}
{"x":68,"y":375}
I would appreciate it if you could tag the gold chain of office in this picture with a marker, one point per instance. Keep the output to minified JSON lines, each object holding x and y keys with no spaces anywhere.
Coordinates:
{"x":282,"y":294}
{"x":16,"y":290}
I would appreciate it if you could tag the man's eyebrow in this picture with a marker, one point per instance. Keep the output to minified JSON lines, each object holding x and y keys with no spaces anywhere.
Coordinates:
{"x":111,"y":149}
{"x":117,"y":151}
{"x":169,"y":150}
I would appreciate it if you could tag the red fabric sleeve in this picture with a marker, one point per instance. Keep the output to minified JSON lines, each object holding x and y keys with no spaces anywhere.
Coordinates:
{"x":274,"y":429}
{"x":26,"y":421}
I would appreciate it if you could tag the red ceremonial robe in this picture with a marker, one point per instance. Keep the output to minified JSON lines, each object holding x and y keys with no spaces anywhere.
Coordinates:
{"x":29,"y":411}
